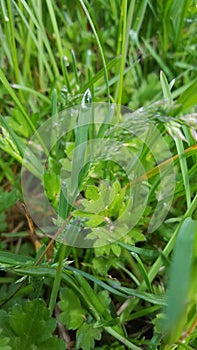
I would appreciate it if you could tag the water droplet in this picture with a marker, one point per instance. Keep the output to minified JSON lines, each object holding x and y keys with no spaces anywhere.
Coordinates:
{"x":64,"y":90}
{"x":73,"y":112}
{"x":133,"y":35}
{"x":65,"y":60}
{"x":64,"y":183}
{"x":87,"y":98}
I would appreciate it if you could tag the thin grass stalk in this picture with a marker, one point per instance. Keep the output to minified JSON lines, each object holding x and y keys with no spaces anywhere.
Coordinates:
{"x":40,"y":27}
{"x":59,"y":43}
{"x":74,"y":62}
{"x":28,"y":51}
{"x":13,"y":46}
{"x":40,"y":41}
{"x":159,"y":262}
{"x":100,"y":48}
{"x":57,"y":279}
{"x":184,"y":170}
{"x":122,"y":40}
{"x":29,"y":26}
{"x":140,"y":16}
{"x":170,"y":245}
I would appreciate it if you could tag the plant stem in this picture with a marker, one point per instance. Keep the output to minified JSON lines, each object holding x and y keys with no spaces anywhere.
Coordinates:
{"x":13,"y":47}
{"x":166,"y":251}
{"x":170,"y":245}
{"x":99,"y":46}
{"x":57,"y":279}
{"x":122,"y":36}
{"x":61,"y":228}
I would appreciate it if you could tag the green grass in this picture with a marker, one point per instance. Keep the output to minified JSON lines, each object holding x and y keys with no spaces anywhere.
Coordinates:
{"x":139,"y":290}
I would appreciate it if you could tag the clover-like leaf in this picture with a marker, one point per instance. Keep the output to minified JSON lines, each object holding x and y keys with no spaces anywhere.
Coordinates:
{"x":4,"y":342}
{"x":86,"y":336}
{"x":72,"y":312}
{"x":30,"y":326}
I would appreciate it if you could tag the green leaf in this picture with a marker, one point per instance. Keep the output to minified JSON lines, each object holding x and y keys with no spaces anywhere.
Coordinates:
{"x":30,"y":326}
{"x":52,"y":185}
{"x":12,"y":140}
{"x":116,"y":249}
{"x":103,"y":250}
{"x":133,"y":236}
{"x":162,"y":64}
{"x":141,"y":251}
{"x":165,"y":86}
{"x":151,"y":298}
{"x":116,"y":206}
{"x":38,"y":327}
{"x":189,"y":96}
{"x":92,"y":192}
{"x":51,"y":344}
{"x":104,"y":298}
{"x":82,"y":214}
{"x":7,"y":199}
{"x":4,"y":342}
{"x":106,"y":196}
{"x":73,"y":314}
{"x":180,"y":281}
{"x":81,"y":133}
{"x":86,"y":336}
{"x":24,"y":116}
{"x":178,"y":11}
{"x":3,"y":223}
{"x":101,"y":265}
{"x":12,"y":259}
{"x":143,"y":272}
{"x":95,"y":221}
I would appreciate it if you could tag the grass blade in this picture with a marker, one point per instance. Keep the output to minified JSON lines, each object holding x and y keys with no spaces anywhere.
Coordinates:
{"x":180,"y":280}
{"x":178,"y":11}
{"x":143,"y":271}
{"x":59,"y":43}
{"x":165,"y":87}
{"x":13,"y":45}
{"x":31,"y":33}
{"x":25,"y":118}
{"x":184,"y":169}
{"x":99,"y":46}
{"x":189,"y":96}
{"x":140,"y":16}
{"x":19,"y":145}
{"x":31,"y":91}
{"x":74,"y":62}
{"x":158,"y":59}
{"x":40,"y":27}
{"x":81,"y":135}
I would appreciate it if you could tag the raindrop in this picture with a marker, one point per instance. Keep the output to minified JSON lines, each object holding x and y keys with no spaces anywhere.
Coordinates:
{"x":64,"y":183}
{"x":133,"y":35}
{"x":64,"y":90}
{"x":87,"y":98}
{"x":65,"y":60}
